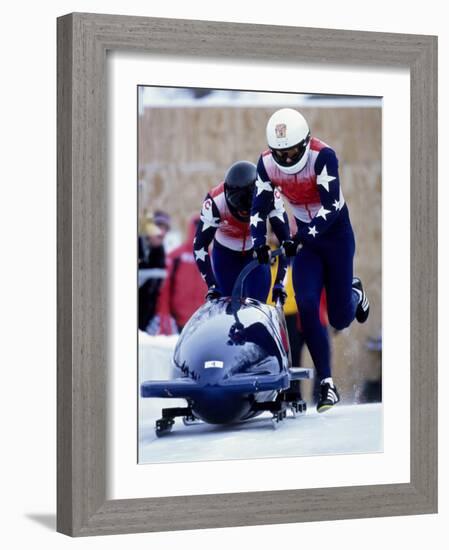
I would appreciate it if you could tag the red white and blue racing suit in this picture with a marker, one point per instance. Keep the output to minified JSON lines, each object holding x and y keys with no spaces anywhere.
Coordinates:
{"x":328,"y":245}
{"x":233,"y":245}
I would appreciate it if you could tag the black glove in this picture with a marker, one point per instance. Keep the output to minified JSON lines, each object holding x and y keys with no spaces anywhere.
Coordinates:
{"x":291,"y":247}
{"x":236,"y":334}
{"x":278,"y":294}
{"x":263,"y":254}
{"x":213,"y":293}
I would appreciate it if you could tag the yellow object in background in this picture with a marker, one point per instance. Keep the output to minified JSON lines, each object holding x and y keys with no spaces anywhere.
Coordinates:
{"x":290,"y":307}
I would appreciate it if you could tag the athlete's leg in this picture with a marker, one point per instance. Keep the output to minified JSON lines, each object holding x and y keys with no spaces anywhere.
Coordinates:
{"x":295,"y":337}
{"x":227,"y":265}
{"x":338,"y":256}
{"x":308,"y":283}
{"x":258,"y":282}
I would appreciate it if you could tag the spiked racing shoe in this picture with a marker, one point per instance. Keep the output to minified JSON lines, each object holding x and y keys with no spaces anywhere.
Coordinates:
{"x":362,"y":311}
{"x":328,"y":396}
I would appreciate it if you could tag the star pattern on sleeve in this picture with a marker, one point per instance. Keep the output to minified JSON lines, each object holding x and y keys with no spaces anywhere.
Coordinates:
{"x":255,"y":219}
{"x":322,"y":213}
{"x":262,"y":186}
{"x":331,"y":197}
{"x":207,"y":216}
{"x":324,"y":179}
{"x":338,"y":205}
{"x":200,"y":254}
{"x":278,"y":207}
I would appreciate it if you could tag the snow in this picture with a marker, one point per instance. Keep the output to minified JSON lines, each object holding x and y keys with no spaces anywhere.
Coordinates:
{"x":346,"y":429}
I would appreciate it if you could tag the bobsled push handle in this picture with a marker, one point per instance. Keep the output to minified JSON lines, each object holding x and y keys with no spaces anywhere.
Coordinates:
{"x":237,"y":291}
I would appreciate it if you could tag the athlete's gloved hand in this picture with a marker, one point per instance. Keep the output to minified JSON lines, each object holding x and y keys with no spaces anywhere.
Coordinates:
{"x":263,"y":254}
{"x":213,"y":293}
{"x":278,"y":294}
{"x":291,"y":247}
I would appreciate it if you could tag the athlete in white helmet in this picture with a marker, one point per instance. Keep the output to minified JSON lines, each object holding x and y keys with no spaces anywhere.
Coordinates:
{"x":304,"y":170}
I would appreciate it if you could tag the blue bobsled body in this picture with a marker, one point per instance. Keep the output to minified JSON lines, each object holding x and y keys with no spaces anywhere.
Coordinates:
{"x":228,"y":362}
{"x":233,"y":361}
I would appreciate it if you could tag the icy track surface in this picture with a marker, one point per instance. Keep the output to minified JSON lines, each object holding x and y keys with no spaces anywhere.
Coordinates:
{"x":346,"y":429}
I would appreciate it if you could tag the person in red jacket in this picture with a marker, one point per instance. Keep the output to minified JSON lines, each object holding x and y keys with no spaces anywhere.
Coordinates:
{"x":183,"y":290}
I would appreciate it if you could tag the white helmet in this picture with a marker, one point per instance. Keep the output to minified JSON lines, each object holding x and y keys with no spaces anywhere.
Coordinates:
{"x":288,"y":136}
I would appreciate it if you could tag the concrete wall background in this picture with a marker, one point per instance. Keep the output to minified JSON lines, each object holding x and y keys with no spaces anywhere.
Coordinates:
{"x":183,"y":152}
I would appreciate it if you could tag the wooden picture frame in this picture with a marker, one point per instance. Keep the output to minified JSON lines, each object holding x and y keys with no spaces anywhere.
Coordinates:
{"x":83,"y":41}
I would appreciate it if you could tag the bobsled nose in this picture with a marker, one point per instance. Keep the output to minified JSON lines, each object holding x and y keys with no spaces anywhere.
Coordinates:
{"x":181,"y":387}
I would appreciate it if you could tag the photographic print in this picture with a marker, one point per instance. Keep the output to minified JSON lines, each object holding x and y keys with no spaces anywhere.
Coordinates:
{"x":259,"y":274}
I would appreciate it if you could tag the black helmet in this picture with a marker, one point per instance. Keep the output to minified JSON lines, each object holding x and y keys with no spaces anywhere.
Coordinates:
{"x":239,"y":188}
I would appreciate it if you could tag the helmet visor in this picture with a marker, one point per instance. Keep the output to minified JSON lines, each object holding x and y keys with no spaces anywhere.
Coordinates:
{"x":291,"y":155}
{"x":240,"y":198}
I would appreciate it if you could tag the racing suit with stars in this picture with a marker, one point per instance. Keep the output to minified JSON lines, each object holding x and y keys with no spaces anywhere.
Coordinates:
{"x":233,"y":246}
{"x":325,"y":233}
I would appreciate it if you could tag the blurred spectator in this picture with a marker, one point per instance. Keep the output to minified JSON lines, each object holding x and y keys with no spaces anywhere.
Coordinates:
{"x":183,"y":290}
{"x":151,"y":249}
{"x":172,"y":238}
{"x":151,"y":258}
{"x":162,"y":220}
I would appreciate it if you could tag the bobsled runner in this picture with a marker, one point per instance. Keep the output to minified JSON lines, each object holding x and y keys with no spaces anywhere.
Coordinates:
{"x":233,"y":359}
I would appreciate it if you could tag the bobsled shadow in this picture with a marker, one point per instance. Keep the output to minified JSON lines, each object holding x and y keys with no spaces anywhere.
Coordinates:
{"x":251,"y":426}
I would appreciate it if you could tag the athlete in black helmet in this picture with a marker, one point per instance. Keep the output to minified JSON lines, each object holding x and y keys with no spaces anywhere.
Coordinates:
{"x":239,"y":187}
{"x":225,"y":220}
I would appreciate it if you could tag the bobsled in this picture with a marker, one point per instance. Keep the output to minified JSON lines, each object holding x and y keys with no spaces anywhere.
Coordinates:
{"x":233,"y":363}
